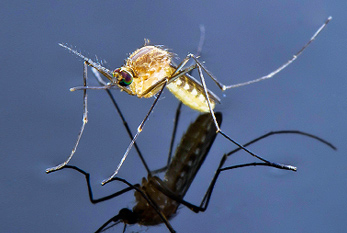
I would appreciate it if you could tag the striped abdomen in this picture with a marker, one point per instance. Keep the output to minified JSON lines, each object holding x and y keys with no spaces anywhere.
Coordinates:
{"x":191,"y":93}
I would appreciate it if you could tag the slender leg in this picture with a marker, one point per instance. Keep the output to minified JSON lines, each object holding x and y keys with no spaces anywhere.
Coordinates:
{"x":220,"y":169}
{"x":139,"y":130}
{"x":173,"y":137}
{"x":180,"y":71}
{"x":208,"y":194}
{"x":177,"y":116}
{"x":273,"y":73}
{"x":205,"y":201}
{"x":99,"y":79}
{"x":84,"y":120}
{"x":131,"y":187}
{"x":90,"y":191}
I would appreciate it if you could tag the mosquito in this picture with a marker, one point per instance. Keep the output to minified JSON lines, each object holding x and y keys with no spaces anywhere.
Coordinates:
{"x":157,"y":200}
{"x":149,"y":70}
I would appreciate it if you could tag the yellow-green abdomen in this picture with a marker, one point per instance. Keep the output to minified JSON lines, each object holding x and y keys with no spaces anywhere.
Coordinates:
{"x":191,"y":94}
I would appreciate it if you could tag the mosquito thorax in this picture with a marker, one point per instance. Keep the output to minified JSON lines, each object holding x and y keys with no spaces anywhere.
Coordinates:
{"x":123,"y":76}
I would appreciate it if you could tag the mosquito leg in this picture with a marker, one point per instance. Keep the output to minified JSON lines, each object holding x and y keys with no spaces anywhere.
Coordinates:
{"x":131,"y":187}
{"x":203,"y":206}
{"x":208,"y":194}
{"x":177,"y":116}
{"x":98,"y":77}
{"x":101,"y":81}
{"x":178,"y":110}
{"x":180,"y":67}
{"x":90,"y":191}
{"x":286,"y":132}
{"x":202,"y":79}
{"x":282,"y":166}
{"x":139,"y":130}
{"x":273,"y":73}
{"x":205,"y":201}
{"x":84,"y":120}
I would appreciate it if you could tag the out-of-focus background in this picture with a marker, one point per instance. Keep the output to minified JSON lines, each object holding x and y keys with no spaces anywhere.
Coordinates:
{"x":40,"y":118}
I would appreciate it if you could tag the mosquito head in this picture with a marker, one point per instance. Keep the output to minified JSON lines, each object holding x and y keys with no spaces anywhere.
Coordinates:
{"x":123,"y":76}
{"x":127,"y":216}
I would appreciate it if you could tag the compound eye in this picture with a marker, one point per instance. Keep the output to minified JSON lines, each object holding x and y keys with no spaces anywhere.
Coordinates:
{"x":126,"y":78}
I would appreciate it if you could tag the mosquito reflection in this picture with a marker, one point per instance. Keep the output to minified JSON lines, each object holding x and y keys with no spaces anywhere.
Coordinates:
{"x":149,"y":70}
{"x":157,"y":200}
